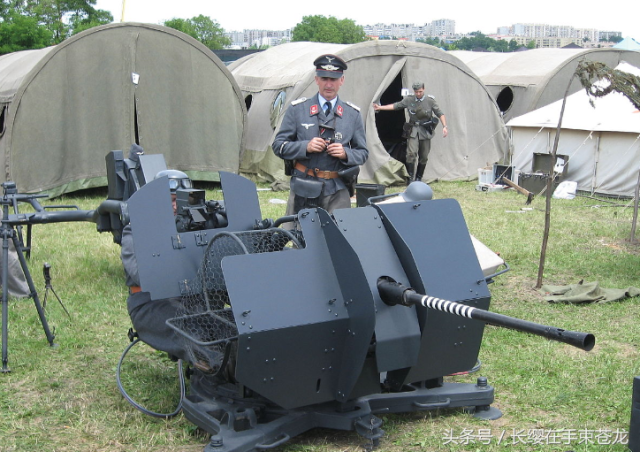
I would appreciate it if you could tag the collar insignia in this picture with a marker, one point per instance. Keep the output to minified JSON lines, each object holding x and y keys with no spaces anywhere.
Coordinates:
{"x":314,"y":109}
{"x":339,"y":110}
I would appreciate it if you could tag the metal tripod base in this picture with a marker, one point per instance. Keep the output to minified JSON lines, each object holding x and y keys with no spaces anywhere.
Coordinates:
{"x":252,"y":423}
{"x":8,"y":233}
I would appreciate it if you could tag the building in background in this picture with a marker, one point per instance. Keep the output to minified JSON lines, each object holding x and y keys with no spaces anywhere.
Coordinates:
{"x":544,"y":35}
{"x":258,"y":38}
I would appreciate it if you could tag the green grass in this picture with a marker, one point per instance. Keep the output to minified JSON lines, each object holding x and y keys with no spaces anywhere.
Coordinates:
{"x":66,"y":399}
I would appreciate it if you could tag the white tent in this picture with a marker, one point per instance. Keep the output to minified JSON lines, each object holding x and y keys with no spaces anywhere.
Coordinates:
{"x":602,"y":141}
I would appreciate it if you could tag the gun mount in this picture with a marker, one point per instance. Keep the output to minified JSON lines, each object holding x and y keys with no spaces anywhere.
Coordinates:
{"x":292,"y":329}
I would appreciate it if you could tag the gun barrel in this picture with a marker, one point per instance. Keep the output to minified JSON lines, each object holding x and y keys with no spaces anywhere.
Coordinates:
{"x":393,"y":293}
{"x":43,"y":217}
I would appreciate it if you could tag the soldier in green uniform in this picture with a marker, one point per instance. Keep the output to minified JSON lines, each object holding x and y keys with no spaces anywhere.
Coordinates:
{"x":424,"y":113}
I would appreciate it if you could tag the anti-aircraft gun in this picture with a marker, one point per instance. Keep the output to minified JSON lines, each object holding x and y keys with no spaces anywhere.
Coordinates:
{"x":324,"y":322}
{"x":125,"y":176}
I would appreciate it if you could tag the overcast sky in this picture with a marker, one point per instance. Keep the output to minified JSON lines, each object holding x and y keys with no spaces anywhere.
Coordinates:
{"x":470,"y":15}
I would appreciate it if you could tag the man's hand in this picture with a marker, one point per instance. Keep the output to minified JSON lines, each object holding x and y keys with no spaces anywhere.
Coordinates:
{"x":316,"y":145}
{"x":337,"y":150}
{"x":378,"y":107}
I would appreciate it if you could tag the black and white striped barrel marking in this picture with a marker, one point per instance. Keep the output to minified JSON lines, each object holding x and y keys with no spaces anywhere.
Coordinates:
{"x":447,"y":306}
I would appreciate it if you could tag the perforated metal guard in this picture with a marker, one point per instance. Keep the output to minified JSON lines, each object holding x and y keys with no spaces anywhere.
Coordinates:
{"x":206,"y":322}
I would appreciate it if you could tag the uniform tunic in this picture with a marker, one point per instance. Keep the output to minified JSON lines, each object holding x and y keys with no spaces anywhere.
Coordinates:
{"x":420,"y":114}
{"x":302,"y":122}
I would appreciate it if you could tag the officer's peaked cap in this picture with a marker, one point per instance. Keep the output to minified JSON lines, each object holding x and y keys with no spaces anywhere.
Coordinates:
{"x":330,"y":66}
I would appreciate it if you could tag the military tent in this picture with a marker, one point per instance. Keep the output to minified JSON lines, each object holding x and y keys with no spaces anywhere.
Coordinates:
{"x":602,"y":142}
{"x":377,"y":71}
{"x":65,"y":107}
{"x":525,"y":81}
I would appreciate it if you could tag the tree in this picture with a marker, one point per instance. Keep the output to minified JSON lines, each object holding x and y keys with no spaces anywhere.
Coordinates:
{"x":202,"y":28}
{"x":480,"y":41}
{"x":96,"y":18}
{"x":591,"y":74}
{"x":500,"y":46}
{"x":62,"y":18}
{"x":432,"y":42}
{"x":351,"y":33}
{"x":18,"y":32}
{"x":328,"y":29}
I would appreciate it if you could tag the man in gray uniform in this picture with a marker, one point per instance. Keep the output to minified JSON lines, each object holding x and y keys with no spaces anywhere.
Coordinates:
{"x":149,"y":316}
{"x":423,"y":119}
{"x":322,"y":141}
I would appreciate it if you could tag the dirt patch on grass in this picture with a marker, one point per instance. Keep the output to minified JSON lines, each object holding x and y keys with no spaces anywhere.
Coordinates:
{"x":622,"y":246}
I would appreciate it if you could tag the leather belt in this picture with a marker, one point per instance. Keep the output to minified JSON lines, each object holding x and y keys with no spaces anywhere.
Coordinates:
{"x":316,"y":172}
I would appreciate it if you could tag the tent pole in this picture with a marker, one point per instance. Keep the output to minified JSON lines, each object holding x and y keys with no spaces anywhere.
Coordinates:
{"x":594,"y":178}
{"x":634,"y":222}
{"x":122,"y":15}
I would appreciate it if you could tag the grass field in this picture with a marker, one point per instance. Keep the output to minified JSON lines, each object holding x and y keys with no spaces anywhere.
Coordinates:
{"x":553,"y":397}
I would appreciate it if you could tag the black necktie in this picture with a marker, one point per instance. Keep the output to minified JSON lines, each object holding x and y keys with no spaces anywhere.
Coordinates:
{"x":327,"y":108}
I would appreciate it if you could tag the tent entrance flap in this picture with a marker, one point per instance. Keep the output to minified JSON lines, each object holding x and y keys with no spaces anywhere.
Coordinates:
{"x":136,"y":130}
{"x":389,"y":123}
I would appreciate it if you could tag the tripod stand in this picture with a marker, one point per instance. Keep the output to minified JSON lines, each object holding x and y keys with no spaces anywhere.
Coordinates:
{"x":46,"y":272}
{"x":8,"y":232}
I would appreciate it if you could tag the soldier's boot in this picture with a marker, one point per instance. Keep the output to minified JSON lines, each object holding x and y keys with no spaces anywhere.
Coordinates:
{"x":420,"y":170}
{"x":410,"y":171}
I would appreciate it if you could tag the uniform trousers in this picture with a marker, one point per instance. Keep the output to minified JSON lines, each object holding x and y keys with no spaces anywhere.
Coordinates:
{"x":148,"y":318}
{"x":338,"y":200}
{"x":417,"y":152}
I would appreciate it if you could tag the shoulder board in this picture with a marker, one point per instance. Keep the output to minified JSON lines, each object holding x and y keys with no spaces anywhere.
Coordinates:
{"x":298,"y":101}
{"x":431,"y":96}
{"x":355,"y":107}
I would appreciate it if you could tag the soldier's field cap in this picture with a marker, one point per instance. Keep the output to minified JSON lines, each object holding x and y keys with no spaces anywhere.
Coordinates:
{"x":329,"y":66}
{"x":418,"y":85}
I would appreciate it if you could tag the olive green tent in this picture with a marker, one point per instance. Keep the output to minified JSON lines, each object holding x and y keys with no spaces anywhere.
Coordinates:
{"x":525,"y":81}
{"x":64,"y":108}
{"x":378,"y":71}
